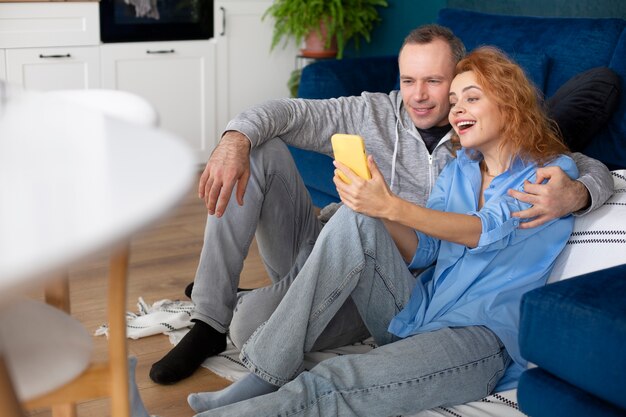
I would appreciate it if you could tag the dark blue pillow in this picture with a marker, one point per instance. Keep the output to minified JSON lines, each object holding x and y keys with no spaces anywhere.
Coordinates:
{"x":584,"y":105}
{"x":610,"y":144}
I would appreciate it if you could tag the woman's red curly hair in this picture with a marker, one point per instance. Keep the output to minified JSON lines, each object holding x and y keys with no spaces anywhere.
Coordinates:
{"x":528,"y":132}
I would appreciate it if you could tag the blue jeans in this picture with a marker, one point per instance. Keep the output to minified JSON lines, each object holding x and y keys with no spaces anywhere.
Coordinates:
{"x":278,"y":209}
{"x":355,"y":257}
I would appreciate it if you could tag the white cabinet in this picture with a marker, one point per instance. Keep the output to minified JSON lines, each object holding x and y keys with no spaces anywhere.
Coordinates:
{"x":3,"y":71}
{"x":196,"y":86}
{"x":50,"y":46}
{"x":49,"y":24}
{"x":247,"y":71}
{"x":43,"y":69}
{"x":178,"y":78}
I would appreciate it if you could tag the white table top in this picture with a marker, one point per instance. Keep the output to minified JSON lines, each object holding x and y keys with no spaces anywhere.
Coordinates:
{"x":73,"y":181}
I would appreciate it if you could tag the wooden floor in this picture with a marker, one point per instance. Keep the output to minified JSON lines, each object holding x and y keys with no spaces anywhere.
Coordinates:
{"x":163,"y":261}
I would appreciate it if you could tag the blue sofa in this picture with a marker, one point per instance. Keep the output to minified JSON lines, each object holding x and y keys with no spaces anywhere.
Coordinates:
{"x":552,"y":51}
{"x":574,"y":330}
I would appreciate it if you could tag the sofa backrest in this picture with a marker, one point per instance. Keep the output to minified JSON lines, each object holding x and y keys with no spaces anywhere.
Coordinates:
{"x":553,"y":50}
{"x":348,"y":77}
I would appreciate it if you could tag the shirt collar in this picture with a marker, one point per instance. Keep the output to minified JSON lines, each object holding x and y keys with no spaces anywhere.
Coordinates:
{"x":468,"y":161}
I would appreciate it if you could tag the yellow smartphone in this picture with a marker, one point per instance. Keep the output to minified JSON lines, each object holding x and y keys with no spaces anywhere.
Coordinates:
{"x":350,"y":151}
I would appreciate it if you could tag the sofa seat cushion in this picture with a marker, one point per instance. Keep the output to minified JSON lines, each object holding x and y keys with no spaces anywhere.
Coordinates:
{"x":576,"y":329}
{"x":540,"y":394}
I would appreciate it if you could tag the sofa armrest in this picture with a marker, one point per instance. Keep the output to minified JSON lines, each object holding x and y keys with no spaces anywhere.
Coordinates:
{"x":348,"y":77}
{"x":576,"y":330}
{"x":541,"y":394}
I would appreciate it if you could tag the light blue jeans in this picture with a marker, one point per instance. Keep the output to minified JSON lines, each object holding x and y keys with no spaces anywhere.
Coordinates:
{"x":278,"y":209}
{"x":355,"y":256}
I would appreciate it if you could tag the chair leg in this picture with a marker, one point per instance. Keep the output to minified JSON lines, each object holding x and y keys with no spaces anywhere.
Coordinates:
{"x":57,"y":293}
{"x":118,"y":351}
{"x":64,"y":410}
{"x":10,"y":405}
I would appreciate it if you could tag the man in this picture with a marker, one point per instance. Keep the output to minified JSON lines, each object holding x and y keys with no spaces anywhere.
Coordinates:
{"x":408,"y":134}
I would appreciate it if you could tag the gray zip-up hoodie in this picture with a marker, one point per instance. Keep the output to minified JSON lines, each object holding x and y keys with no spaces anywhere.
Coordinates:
{"x":390,"y":137}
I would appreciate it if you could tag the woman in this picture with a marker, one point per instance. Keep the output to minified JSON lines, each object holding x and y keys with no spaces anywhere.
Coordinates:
{"x":448,"y":336}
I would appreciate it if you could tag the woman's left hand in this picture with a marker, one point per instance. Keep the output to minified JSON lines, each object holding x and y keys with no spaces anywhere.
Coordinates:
{"x":370,"y":197}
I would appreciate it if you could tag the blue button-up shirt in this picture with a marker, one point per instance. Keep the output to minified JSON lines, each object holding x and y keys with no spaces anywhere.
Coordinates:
{"x":483,"y":285}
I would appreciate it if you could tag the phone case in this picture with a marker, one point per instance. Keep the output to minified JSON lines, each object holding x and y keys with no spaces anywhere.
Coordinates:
{"x":350,"y":151}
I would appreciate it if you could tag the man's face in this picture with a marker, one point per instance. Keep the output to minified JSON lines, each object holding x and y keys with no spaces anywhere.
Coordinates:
{"x":426,"y":71}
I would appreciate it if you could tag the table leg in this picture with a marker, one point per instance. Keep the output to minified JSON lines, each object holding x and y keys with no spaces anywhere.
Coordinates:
{"x":8,"y":398}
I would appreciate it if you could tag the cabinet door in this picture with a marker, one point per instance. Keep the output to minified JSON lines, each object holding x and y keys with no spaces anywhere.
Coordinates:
{"x":3,"y":70}
{"x":54,"y":68}
{"x":248,"y":72}
{"x":178,"y":78}
{"x":49,"y":24}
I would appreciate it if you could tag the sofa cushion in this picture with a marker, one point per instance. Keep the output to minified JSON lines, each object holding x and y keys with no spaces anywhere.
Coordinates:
{"x":576,"y":329}
{"x":348,"y":77}
{"x":610,"y":144}
{"x":535,"y":67}
{"x":584,"y":104}
{"x":573,"y":44}
{"x":317,"y":172}
{"x":599,"y":238}
{"x":540,"y":394}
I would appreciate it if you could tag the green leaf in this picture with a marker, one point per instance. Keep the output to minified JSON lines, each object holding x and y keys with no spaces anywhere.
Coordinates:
{"x":346,"y":20}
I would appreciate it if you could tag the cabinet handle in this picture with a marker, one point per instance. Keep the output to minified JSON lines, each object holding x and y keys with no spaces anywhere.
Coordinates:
{"x":223,"y":10}
{"x":55,"y":56}
{"x":163,"y":51}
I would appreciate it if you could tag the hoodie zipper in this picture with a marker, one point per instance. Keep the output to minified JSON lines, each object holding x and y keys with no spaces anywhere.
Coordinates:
{"x":432,"y":178}
{"x":430,"y":172}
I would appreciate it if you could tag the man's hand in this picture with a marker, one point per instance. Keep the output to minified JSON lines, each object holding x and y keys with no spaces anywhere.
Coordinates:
{"x":229,"y":164}
{"x":559,"y":196}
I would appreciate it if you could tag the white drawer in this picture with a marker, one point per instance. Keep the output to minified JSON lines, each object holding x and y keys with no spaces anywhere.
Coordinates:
{"x":49,"y":24}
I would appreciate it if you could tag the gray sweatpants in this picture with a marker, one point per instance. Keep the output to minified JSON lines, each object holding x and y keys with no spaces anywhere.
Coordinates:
{"x":278,"y":210}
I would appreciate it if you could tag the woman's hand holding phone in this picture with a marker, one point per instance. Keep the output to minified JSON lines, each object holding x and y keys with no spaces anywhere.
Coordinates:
{"x":370,"y":196}
{"x":350,"y":151}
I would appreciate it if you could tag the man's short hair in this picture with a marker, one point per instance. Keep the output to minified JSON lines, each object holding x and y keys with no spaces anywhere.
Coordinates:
{"x":428,"y":33}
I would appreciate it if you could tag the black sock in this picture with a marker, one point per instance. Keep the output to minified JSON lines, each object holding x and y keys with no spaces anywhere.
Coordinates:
{"x":189,"y":289}
{"x":198,"y":344}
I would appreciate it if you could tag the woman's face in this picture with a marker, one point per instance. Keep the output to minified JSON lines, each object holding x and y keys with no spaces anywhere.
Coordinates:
{"x":474,"y":116}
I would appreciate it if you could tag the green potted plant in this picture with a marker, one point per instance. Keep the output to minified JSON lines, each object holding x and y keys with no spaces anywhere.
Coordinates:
{"x":334,"y":21}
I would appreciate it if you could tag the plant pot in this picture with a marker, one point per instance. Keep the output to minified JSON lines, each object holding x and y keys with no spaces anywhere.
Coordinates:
{"x":315,"y":45}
